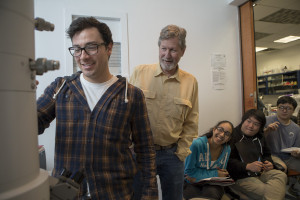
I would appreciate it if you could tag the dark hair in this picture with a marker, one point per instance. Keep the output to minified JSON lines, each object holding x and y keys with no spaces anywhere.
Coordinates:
{"x":82,"y":23}
{"x":287,"y":99}
{"x":210,"y":133}
{"x":258,"y":115}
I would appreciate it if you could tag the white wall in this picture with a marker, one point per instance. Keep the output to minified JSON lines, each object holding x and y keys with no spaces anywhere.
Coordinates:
{"x":212,"y":27}
{"x":278,"y":59}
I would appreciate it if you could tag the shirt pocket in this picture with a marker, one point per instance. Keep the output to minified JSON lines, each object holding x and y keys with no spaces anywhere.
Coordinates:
{"x":179,"y":108}
{"x":150,"y":96}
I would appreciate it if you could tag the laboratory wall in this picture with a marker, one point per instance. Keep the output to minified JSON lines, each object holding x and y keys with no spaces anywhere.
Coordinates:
{"x":276,"y":60}
{"x":212,"y":29}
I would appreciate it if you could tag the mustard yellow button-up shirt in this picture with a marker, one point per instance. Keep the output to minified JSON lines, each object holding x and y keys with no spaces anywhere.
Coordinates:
{"x":172,"y":104}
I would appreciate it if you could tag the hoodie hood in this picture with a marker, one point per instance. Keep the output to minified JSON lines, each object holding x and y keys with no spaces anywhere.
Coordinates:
{"x":126,"y":88}
{"x":70,"y":78}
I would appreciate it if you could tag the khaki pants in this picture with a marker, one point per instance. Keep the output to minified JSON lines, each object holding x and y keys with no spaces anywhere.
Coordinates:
{"x":291,"y":163}
{"x":279,"y":161}
{"x":269,"y":185}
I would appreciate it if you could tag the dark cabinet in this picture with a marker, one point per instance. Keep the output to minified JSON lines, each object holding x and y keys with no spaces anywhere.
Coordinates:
{"x":281,"y":83}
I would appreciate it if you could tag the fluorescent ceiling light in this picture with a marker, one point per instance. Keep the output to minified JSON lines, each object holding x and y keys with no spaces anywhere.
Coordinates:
{"x":288,"y":39}
{"x":257,"y":49}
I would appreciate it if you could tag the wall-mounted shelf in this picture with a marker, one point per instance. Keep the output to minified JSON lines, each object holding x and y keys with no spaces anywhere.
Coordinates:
{"x":281,"y":83}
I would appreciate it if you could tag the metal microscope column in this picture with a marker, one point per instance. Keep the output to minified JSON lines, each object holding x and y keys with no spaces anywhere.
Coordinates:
{"x":20,"y":175}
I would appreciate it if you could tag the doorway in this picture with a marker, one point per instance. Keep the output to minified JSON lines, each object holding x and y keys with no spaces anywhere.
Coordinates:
{"x":277,"y":63}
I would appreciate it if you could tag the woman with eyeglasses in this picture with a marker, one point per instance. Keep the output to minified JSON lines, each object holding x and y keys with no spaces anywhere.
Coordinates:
{"x":209,"y":157}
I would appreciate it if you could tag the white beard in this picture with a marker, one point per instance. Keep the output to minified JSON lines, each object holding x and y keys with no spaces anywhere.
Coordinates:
{"x":167,"y":67}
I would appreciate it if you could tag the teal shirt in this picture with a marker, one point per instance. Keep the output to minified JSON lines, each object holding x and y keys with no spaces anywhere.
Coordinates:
{"x":199,"y":164}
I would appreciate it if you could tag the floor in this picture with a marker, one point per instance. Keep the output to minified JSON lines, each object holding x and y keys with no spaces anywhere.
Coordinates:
{"x":289,"y":196}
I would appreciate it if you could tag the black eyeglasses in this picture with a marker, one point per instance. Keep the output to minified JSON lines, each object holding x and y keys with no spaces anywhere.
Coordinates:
{"x":287,"y":108}
{"x":90,"y":49}
{"x":226,"y":133}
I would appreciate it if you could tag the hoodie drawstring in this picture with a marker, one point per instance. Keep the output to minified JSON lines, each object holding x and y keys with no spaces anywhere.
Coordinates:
{"x":56,"y":93}
{"x":261,"y":150}
{"x":226,"y":155}
{"x":207,"y":157}
{"x":126,"y":99}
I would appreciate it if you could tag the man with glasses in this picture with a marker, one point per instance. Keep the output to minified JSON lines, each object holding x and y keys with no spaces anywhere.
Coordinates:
{"x":250,"y":163}
{"x":98,"y":116}
{"x":281,"y":133}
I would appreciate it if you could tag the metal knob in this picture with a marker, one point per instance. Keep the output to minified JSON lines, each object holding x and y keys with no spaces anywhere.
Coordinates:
{"x":42,"y":65}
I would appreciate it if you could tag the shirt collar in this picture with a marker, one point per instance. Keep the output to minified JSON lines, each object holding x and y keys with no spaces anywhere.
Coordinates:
{"x":159,"y":71}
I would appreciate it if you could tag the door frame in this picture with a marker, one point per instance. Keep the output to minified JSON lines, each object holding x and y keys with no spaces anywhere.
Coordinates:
{"x":248,"y":56}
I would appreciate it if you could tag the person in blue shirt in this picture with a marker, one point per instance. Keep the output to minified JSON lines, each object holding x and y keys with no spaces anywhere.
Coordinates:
{"x":281,"y":132}
{"x":209,"y":157}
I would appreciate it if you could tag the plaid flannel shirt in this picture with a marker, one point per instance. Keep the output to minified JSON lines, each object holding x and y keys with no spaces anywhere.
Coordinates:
{"x":98,"y":141}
